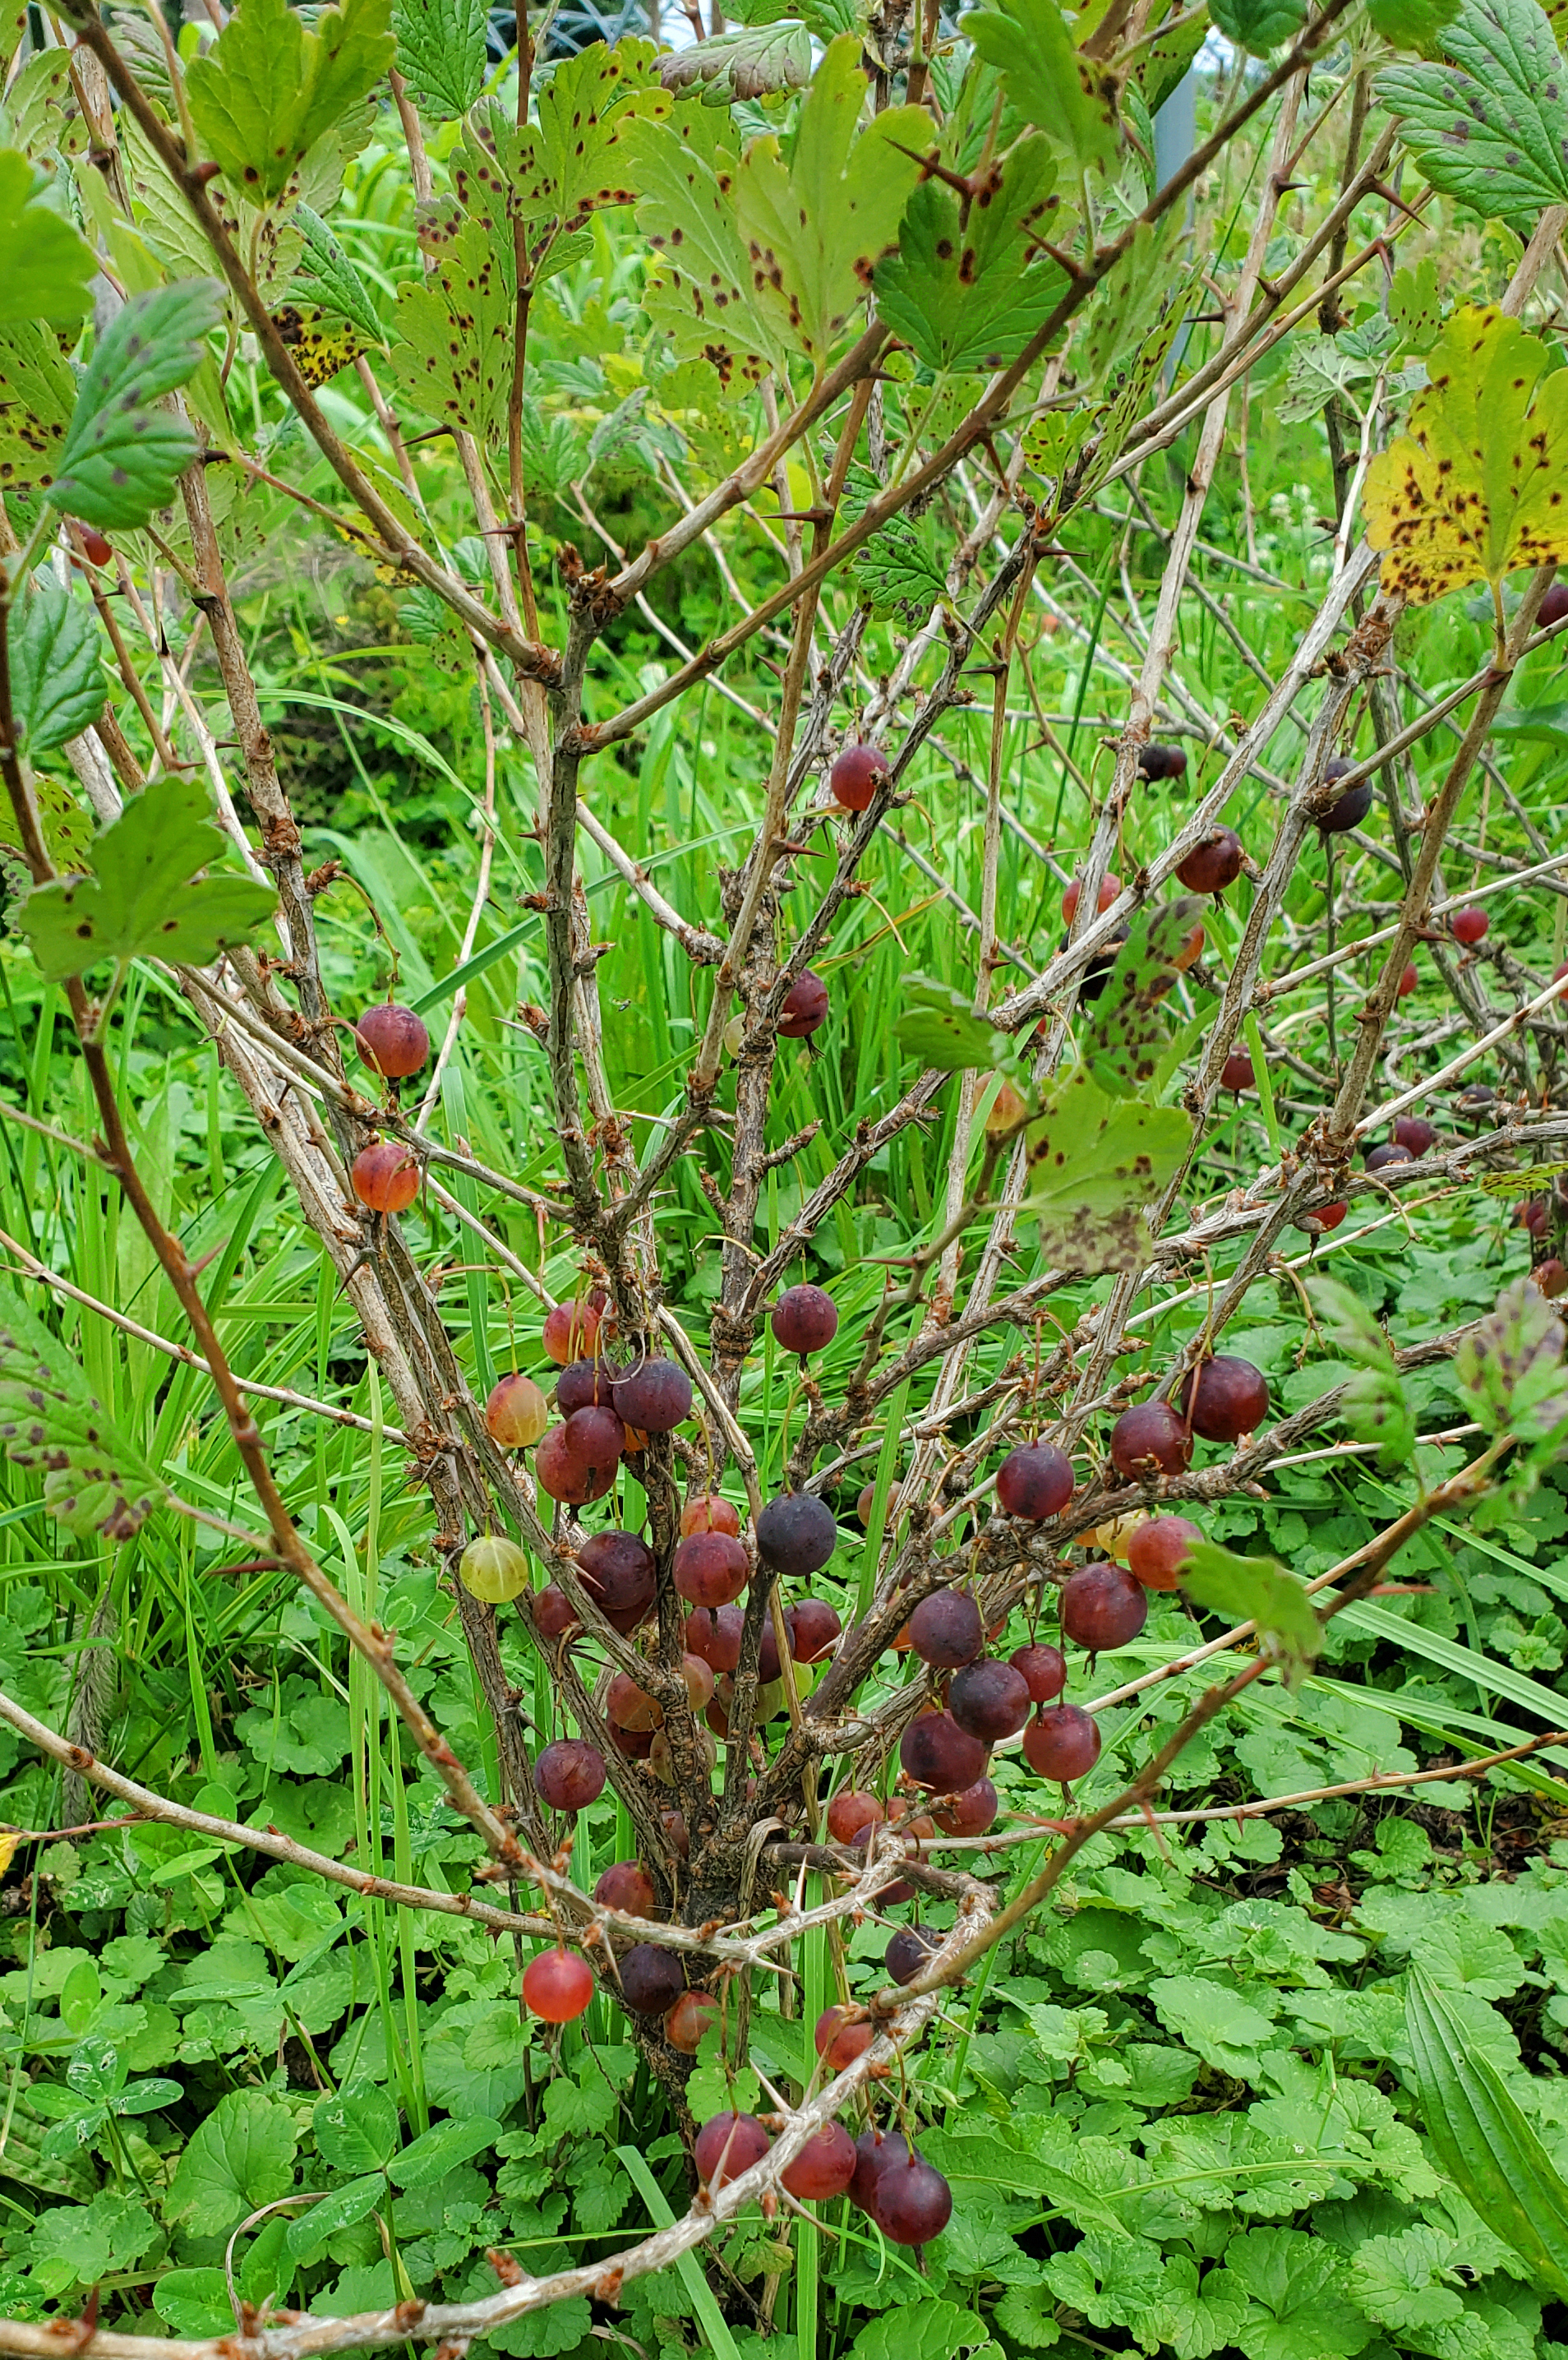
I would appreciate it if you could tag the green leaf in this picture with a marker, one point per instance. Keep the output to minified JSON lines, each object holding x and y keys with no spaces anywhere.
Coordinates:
{"x":325,"y":272}
{"x":355,"y":2129}
{"x":1094,"y":1164}
{"x":939,"y":1026}
{"x":1258,"y":26}
{"x":969,"y":294}
{"x":122,"y":453}
{"x":1071,"y":98}
{"x":1317,"y":370}
{"x":49,"y":1419}
{"x":341,"y":2210}
{"x":267,"y":89}
{"x":442,"y":2148}
{"x":1414,"y":24}
{"x":1129,"y":1028}
{"x":815,"y":221}
{"x":1483,"y":2139}
{"x":240,"y":2156}
{"x":1376,"y":1409}
{"x":194,"y":2302}
{"x":701,"y":297}
{"x":1408,"y":2281}
{"x":57,"y":682}
{"x":1473,"y":491}
{"x":1350,"y":1325}
{"x":1255,"y":1589}
{"x":1296,"y":2306}
{"x":440,"y":53}
{"x":1490,"y":126}
{"x":1509,"y":1368}
{"x":38,"y":393}
{"x":144,"y":895}
{"x":1027,"y":2316}
{"x":45,"y":270}
{"x":901,"y":571}
{"x":746,"y":62}
{"x":930,"y":2329}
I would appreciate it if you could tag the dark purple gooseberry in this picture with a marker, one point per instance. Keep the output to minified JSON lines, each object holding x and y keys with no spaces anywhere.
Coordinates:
{"x":651,"y":1979}
{"x":1379,"y":1158}
{"x":1155,"y":761}
{"x":805,"y":1319}
{"x":619,"y":1574}
{"x":1352,"y":807}
{"x":909,"y":1951}
{"x":655,"y":1397}
{"x":990,"y":1699}
{"x":914,"y":2202}
{"x":570,"y":1774}
{"x":796,"y":1534}
{"x":586,"y":1384}
{"x":937,"y":1754}
{"x":1228,"y":1398}
{"x":1034,"y":1481}
{"x":1415,"y":1131}
{"x":1554,"y":607}
{"x":715,"y":1633}
{"x":1148,"y":1440}
{"x":946,"y":1629}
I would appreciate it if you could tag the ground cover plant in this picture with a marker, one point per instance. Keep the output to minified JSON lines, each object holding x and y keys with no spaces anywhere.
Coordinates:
{"x":785,"y":1447}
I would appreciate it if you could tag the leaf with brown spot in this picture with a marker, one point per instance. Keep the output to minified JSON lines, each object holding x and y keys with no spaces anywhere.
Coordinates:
{"x":1095,"y":1164}
{"x":969,"y":295}
{"x":1069,"y":97}
{"x":94,"y":1481}
{"x":826,"y":213}
{"x":1491,"y":127}
{"x":1131,"y":1027}
{"x":1479,"y":488}
{"x":144,"y":895}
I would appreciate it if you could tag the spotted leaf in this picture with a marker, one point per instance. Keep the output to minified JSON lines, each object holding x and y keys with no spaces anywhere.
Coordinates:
{"x":1095,"y":1164}
{"x":1479,"y":486}
{"x":145,"y":893}
{"x":94,"y":1481}
{"x":1127,"y":1035}
{"x":1489,"y":126}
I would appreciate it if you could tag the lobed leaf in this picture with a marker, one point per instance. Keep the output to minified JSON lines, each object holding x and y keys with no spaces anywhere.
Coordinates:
{"x":1474,"y":489}
{"x":968,"y":292}
{"x":95,"y":1480}
{"x":1256,"y":1589}
{"x":1069,"y":97}
{"x":940,"y":1027}
{"x":1509,"y":1367}
{"x":144,"y":893}
{"x":1259,"y":26}
{"x":1490,"y":125}
{"x":441,"y":53}
{"x":1130,"y":1027}
{"x":326,"y":273}
{"x":1095,"y":1164}
{"x":269,"y":89}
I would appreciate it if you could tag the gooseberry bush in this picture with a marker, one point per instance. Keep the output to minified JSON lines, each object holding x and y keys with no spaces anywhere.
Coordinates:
{"x":800,"y":1577}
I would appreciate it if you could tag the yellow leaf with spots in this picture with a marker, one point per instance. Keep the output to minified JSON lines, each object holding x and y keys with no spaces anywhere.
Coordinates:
{"x":9,"y":1838}
{"x":1479,"y":487}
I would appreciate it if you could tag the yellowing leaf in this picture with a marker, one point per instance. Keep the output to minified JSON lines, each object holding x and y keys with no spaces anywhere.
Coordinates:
{"x":1479,"y":486}
{"x":321,"y":342}
{"x":1095,"y":1164}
